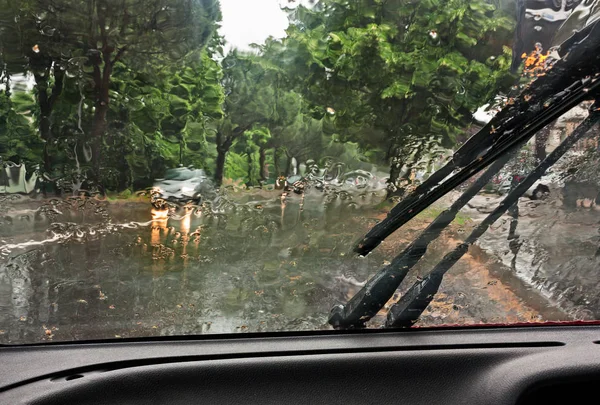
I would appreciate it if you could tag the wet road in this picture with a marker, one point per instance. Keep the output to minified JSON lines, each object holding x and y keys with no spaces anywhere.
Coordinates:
{"x":88,"y":269}
{"x":85,"y":269}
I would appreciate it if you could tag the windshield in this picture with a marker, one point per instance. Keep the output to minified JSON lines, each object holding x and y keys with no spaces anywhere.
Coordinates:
{"x":181,"y":174}
{"x":187,"y":167}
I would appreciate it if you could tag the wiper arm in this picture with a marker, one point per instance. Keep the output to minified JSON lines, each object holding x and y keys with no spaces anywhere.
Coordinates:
{"x":566,"y":85}
{"x":411,"y":305}
{"x":431,"y":190}
{"x":378,"y":290}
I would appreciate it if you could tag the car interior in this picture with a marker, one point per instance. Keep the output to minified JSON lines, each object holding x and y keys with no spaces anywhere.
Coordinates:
{"x":489,"y":365}
{"x":100,"y":305}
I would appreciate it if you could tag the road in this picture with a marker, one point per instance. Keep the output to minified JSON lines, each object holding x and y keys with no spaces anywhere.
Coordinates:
{"x":88,"y":269}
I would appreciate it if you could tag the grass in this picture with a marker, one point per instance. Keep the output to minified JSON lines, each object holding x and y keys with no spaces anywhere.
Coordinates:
{"x":428,"y":214}
{"x":431,"y":212}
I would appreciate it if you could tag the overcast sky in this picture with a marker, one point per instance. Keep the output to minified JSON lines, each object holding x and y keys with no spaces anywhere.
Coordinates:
{"x":251,"y":21}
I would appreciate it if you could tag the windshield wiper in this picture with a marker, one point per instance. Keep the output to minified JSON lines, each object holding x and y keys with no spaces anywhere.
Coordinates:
{"x":436,"y":187}
{"x":569,"y":82}
{"x":411,"y":305}
{"x":380,"y":288}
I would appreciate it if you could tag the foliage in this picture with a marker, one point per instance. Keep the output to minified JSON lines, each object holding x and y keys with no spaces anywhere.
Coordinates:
{"x":393,"y":72}
{"x":236,"y":166}
{"x":256,"y":109}
{"x":125,"y":89}
{"x":162,"y":123}
{"x":18,"y":142}
{"x":91,"y":40}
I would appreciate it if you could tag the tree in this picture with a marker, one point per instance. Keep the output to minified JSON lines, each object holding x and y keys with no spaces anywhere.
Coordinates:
{"x":159,"y":120}
{"x":24,"y":34}
{"x":252,"y":143}
{"x":18,"y":141}
{"x":90,"y":38}
{"x":196,"y":99}
{"x":249,"y":107}
{"x":410,"y":71}
{"x":303,"y":139}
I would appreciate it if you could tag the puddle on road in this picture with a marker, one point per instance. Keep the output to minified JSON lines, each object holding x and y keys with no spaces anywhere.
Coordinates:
{"x":78,"y":270}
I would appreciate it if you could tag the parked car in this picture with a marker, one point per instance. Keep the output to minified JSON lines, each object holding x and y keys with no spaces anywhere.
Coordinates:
{"x":182,"y":185}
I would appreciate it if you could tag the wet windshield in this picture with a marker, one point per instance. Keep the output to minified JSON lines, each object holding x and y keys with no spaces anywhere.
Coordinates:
{"x":186,"y":167}
{"x":181,"y":174}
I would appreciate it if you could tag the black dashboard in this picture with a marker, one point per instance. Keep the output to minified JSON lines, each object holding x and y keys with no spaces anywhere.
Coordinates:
{"x":520,"y":365}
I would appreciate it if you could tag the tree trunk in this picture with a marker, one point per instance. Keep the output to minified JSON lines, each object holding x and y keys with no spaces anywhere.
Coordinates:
{"x":276,"y":162}
{"x":125,"y":180}
{"x":389,"y":154}
{"x":250,"y":163}
{"x":99,"y":124}
{"x":181,"y":152}
{"x":223,"y":146}
{"x":220,"y":169}
{"x":262,"y":160}
{"x":7,"y":84}
{"x":98,"y":130}
{"x":395,"y":168}
{"x":101,"y":78}
{"x":46,"y":135}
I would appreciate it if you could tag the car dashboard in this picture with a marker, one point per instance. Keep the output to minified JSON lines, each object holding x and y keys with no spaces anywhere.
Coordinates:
{"x":519,"y":365}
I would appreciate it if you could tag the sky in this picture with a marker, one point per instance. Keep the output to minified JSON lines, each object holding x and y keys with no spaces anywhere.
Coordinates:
{"x":251,"y":21}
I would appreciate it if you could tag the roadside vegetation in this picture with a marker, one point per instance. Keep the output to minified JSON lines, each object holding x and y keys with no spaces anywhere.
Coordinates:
{"x":107,"y":94}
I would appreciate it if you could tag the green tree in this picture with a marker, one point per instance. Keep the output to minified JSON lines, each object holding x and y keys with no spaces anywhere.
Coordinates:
{"x":23,"y":36}
{"x":250,"y":105}
{"x":159,"y":120}
{"x":252,"y":144}
{"x":397,"y":74}
{"x":18,"y":140}
{"x":89,"y":39}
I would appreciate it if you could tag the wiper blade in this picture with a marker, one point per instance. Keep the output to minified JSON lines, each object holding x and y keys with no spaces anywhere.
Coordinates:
{"x":370,"y":299}
{"x":411,"y":305}
{"x":433,"y":188}
{"x":567,"y":84}
{"x":571,"y":81}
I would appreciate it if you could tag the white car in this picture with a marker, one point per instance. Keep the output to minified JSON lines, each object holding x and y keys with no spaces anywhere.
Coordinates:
{"x":183,"y":185}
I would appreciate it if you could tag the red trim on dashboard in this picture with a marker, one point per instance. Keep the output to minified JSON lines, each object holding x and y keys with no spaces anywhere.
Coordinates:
{"x":485,"y":325}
